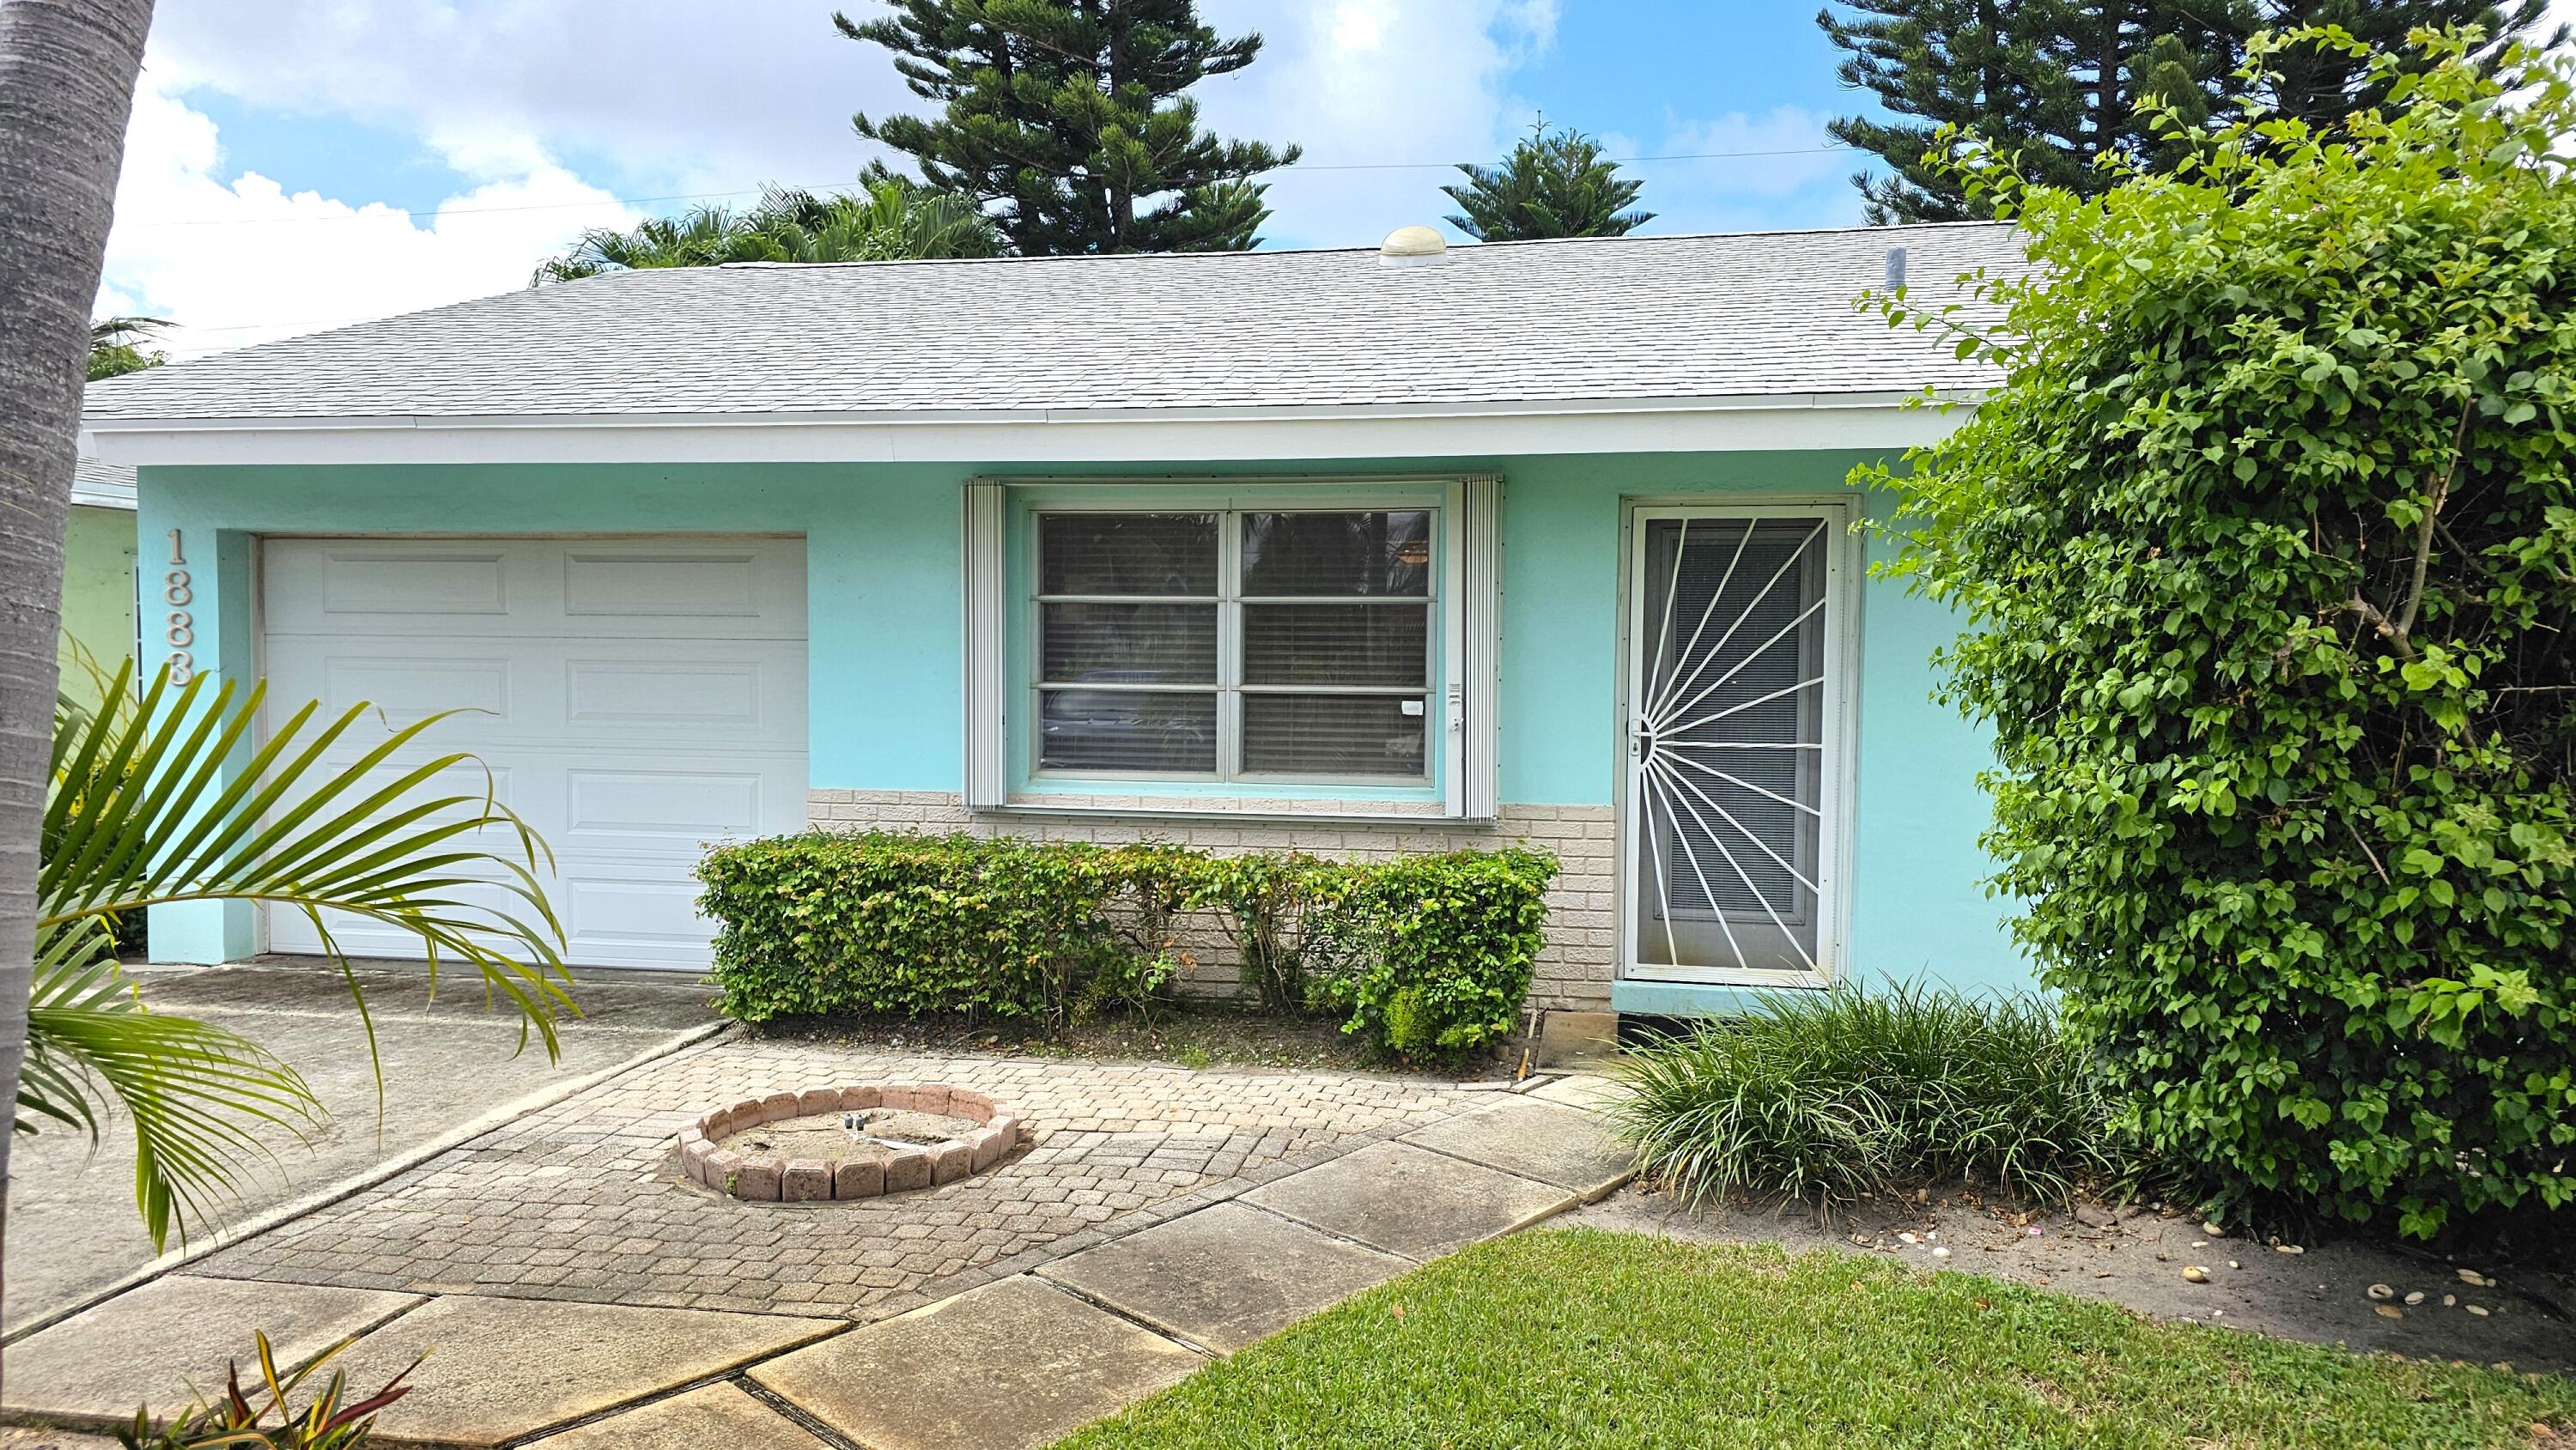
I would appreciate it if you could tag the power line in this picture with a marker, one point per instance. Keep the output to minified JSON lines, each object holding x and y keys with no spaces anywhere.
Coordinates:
{"x":373,"y":210}
{"x":1615,"y":160}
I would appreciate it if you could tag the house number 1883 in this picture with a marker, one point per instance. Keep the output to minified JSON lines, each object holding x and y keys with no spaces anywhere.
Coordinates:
{"x":182,"y":631}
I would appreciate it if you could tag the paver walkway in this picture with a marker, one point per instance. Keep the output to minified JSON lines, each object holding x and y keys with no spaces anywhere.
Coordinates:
{"x":573,"y":1291}
{"x":448,"y":1062}
{"x":578,"y":1201}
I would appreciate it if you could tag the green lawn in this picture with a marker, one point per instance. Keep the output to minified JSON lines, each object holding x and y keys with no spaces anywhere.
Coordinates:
{"x":1582,"y":1338}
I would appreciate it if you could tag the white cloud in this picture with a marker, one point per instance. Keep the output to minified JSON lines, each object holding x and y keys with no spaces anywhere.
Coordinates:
{"x":681,"y":94}
{"x":244,"y":261}
{"x":1768,"y":170}
{"x":548,"y":107}
{"x":1368,"y":82}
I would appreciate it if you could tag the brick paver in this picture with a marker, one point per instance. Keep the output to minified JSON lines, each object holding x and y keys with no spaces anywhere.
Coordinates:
{"x":581,"y":1201}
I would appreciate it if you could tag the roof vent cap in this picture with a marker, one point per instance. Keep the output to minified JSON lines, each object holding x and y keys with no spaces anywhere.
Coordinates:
{"x":1411,"y":247}
{"x":1895,"y":269}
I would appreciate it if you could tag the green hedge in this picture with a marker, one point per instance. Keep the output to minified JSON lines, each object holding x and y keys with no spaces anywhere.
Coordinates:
{"x":1422,"y":956}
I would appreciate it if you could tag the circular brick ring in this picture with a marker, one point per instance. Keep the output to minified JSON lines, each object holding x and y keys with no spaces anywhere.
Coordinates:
{"x":776,"y":1178}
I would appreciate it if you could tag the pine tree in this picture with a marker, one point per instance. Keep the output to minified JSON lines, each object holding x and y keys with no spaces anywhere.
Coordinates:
{"x":1552,"y":185}
{"x":2056,"y":84}
{"x":2052,"y":84}
{"x":1071,"y":116}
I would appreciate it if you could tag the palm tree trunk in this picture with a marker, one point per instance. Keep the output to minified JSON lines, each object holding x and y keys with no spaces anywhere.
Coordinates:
{"x":67,"y":70}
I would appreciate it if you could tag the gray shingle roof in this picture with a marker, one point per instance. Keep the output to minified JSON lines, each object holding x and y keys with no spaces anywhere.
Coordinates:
{"x":102,"y":485}
{"x":1622,"y":319}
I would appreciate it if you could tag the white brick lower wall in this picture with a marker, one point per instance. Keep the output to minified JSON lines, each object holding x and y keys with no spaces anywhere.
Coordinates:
{"x":1574,"y":968}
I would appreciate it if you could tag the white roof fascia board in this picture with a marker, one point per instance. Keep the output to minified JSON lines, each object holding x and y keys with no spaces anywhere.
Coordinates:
{"x":1795,"y":421}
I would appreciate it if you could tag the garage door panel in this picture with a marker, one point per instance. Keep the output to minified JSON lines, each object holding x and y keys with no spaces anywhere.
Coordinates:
{"x":640,"y":916}
{"x":406,"y":690}
{"x":668,"y":695}
{"x":634,"y":703}
{"x":406,"y":680}
{"x":626,"y":586}
{"x":334,"y":585}
{"x":666,"y":809}
{"x":445,"y":582}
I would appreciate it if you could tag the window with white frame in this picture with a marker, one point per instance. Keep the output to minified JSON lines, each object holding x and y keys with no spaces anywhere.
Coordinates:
{"x":1326,"y":642}
{"x":1292,"y":645}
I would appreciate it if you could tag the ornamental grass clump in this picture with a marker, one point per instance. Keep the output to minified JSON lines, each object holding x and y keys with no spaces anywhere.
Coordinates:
{"x":2265,"y":547}
{"x":1830,"y":1097}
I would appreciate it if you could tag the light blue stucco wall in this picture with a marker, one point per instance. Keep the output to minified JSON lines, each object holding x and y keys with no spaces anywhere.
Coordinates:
{"x":883,"y":547}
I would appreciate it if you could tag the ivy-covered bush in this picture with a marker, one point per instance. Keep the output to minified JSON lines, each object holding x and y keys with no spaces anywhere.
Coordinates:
{"x":2267,"y":550}
{"x":1422,"y":956}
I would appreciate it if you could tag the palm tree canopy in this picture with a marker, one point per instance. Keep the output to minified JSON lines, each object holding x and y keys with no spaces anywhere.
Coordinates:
{"x":119,"y":345}
{"x":1552,"y":185}
{"x":890,"y":220}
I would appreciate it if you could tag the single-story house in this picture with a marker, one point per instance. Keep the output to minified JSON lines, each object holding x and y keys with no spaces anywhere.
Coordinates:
{"x":1359,"y":550}
{"x":98,"y":574}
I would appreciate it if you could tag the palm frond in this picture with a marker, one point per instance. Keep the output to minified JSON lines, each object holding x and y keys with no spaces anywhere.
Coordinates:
{"x":168,"y":799}
{"x":195,"y":1093}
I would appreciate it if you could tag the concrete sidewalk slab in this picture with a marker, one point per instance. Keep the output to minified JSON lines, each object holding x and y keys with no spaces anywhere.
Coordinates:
{"x":1011,"y":1366}
{"x":1410,"y":1200}
{"x":1224,"y":1276}
{"x":1580,"y":1090}
{"x":717,"y":1415}
{"x":148,"y":1347}
{"x":499,"y":1369}
{"x":1546,"y":1141}
{"x":22,"y":1438}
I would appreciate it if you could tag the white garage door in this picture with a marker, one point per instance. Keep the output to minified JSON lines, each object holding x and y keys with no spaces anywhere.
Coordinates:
{"x":634,"y":700}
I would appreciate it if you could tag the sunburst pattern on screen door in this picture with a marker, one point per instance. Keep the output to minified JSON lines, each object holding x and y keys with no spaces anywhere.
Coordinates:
{"x":1728,"y":742}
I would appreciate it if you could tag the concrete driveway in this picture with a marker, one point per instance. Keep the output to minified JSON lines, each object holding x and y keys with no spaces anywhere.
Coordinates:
{"x":448,"y":1062}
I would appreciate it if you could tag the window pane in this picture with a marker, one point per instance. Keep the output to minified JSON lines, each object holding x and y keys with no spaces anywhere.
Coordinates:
{"x":1127,"y":554}
{"x":1338,"y":553}
{"x":1129,"y":644}
{"x":1336,"y":644}
{"x":1144,"y":731}
{"x":1342,"y":735}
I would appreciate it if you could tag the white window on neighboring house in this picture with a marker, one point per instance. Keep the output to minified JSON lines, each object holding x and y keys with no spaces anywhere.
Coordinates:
{"x":1330,"y":643}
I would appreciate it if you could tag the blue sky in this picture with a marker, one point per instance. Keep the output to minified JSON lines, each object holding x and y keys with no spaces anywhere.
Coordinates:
{"x":294,"y":165}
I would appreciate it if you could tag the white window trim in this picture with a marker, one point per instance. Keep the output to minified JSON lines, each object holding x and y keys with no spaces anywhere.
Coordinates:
{"x":1465,"y":697}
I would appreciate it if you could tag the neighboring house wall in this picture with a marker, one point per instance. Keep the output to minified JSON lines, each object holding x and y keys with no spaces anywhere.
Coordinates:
{"x":884,"y":581}
{"x":98,"y":592}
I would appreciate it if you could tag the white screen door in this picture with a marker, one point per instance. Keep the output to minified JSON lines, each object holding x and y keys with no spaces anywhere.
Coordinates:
{"x":1734,"y":756}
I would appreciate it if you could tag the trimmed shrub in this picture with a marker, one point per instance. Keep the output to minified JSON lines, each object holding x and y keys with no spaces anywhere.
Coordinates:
{"x":1830,"y":1096}
{"x":915,"y":925}
{"x":1288,"y":915}
{"x":2267,"y":550}
{"x":1421,"y":956}
{"x":1444,"y":949}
